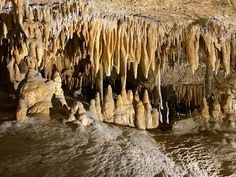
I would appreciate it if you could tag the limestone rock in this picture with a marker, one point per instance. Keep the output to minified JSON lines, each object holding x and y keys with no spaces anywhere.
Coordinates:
{"x":21,"y":113}
{"x":185,"y":125}
{"x":109,"y":106}
{"x":120,"y":115}
{"x":40,"y":108}
{"x":205,"y":111}
{"x":153,"y":120}
{"x":130,"y":109}
{"x":73,"y":110}
{"x":81,"y":115}
{"x":35,"y":97}
{"x":228,"y":105}
{"x":36,"y":94}
{"x":98,"y":106}
{"x":92,"y":108}
{"x":59,"y":93}
{"x":217,"y":113}
{"x":148,"y":115}
{"x":140,"y":116}
{"x":146,"y":97}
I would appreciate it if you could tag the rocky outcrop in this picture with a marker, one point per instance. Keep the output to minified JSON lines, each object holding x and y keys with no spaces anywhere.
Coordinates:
{"x":77,"y":115}
{"x":36,"y":95}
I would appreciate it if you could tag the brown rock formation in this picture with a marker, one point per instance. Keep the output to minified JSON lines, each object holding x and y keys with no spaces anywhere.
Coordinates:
{"x":140,"y":116}
{"x":108,"y":106}
{"x":120,"y":116}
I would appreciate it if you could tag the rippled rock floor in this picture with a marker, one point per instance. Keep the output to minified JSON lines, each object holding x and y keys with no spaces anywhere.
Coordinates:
{"x":42,"y":148}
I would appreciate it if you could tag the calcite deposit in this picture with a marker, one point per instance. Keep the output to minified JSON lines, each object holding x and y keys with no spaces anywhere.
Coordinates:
{"x":163,"y":51}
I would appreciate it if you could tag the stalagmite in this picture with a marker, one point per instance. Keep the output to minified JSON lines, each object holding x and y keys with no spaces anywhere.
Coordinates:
{"x":59,"y":93}
{"x":155,"y":118}
{"x":140,"y":116}
{"x":217,"y":113}
{"x":205,"y":111}
{"x":120,"y":112}
{"x":148,"y":115}
{"x":227,"y":107}
{"x":130,"y":109}
{"x":124,"y":96}
{"x":98,"y":106}
{"x":146,"y":98}
{"x":92,"y":108}
{"x":81,"y":115}
{"x":108,"y":106}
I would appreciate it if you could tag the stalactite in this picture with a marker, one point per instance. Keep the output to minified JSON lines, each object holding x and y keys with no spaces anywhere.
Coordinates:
{"x":226,"y":56}
{"x":124,"y":57}
{"x":210,"y":44}
{"x":100,"y":82}
{"x":192,"y":47}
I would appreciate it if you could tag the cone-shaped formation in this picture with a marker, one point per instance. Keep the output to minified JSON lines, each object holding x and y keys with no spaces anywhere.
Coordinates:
{"x":98,"y":106}
{"x":109,"y":106}
{"x":205,"y":111}
{"x":130,"y":111}
{"x":228,"y":103}
{"x":93,"y":109}
{"x":140,"y":116}
{"x":217,"y":113}
{"x":120,"y":115}
{"x":81,"y":115}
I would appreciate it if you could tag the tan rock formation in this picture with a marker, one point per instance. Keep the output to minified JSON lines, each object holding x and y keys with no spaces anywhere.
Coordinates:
{"x":34,"y":96}
{"x":205,"y":111}
{"x":148,"y":115}
{"x":73,"y":110}
{"x":92,"y":108}
{"x":21,"y":113}
{"x":130,"y":109}
{"x":108,"y":106}
{"x":81,"y":115}
{"x":217,"y":113}
{"x":155,"y":118}
{"x":228,"y":103}
{"x":140,"y":116}
{"x":120,"y":116}
{"x":98,"y":106}
{"x":59,"y":93}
